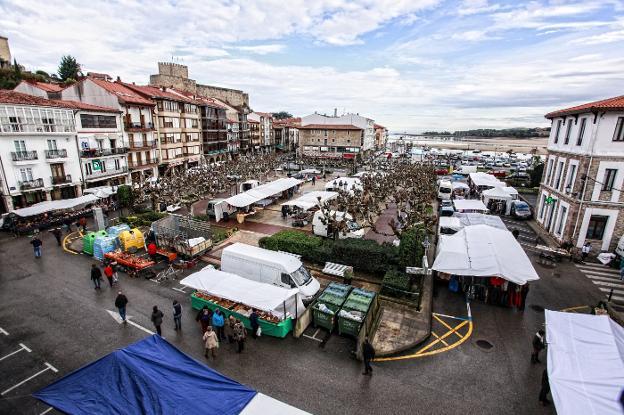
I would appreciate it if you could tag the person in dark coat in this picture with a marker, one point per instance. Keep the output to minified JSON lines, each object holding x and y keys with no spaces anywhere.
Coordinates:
{"x":96,"y":276}
{"x":543,"y":395}
{"x":57,"y":235}
{"x":36,"y":243}
{"x":157,"y":319}
{"x":177,"y":315}
{"x":368,"y":352}
{"x":120,"y":303}
{"x":539,"y":344}
{"x":253,"y":320}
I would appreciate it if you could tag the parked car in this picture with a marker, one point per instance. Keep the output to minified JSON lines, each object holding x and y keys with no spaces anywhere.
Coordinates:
{"x":520,"y":209}
{"x":521,"y":179}
{"x":498,"y":173}
{"x":441,"y":171}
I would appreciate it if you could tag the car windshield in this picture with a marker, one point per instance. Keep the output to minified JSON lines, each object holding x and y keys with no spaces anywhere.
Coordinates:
{"x":301,"y":276}
{"x":445,"y":190}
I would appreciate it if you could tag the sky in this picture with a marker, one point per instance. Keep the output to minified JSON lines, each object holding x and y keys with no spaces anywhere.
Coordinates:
{"x":412,"y":66}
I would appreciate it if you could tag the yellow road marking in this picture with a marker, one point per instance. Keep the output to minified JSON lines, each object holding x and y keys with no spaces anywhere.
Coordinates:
{"x":445,"y":335}
{"x":438,"y":337}
{"x":446,"y":325}
{"x":65,"y":243}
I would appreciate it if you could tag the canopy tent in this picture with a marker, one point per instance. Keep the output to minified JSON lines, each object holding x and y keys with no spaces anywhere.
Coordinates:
{"x":348,"y":183}
{"x":469,"y":205}
{"x":310,"y":200}
{"x":585,"y":363}
{"x":263,"y":191}
{"x":512,"y":191}
{"x":265,"y":297}
{"x":481,"y":179}
{"x":484,"y":251}
{"x":152,"y":376}
{"x":471,"y":219}
{"x":51,"y":205}
{"x":102,"y":191}
{"x":460,"y":186}
{"x":310,"y":171}
{"x":497,"y":193}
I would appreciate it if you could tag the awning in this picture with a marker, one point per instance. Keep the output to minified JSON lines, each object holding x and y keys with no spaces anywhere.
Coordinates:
{"x":585,"y":363}
{"x":460,"y":185}
{"x":484,"y":251}
{"x":469,"y":205}
{"x":496,"y":193}
{"x":51,"y":205}
{"x":263,"y":191}
{"x":484,"y":179}
{"x":266,"y":297}
{"x":154,"y":377}
{"x":311,"y":199}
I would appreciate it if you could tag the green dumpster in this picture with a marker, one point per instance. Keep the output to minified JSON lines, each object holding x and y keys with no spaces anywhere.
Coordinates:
{"x":328,"y":304}
{"x":88,"y":239}
{"x":354,"y":311}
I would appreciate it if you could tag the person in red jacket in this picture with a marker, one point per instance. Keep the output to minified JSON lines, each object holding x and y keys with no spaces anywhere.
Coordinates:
{"x":108,"y":271}
{"x":151,"y":250}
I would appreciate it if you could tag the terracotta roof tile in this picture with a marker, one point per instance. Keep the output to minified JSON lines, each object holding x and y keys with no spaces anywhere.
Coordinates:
{"x":17,"y":98}
{"x":609,"y":104}
{"x":329,"y":127}
{"x":46,"y":86}
{"x":124,"y":95}
{"x":158,"y":93}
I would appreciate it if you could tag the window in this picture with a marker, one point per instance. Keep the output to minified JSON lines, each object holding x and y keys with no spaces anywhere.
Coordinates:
{"x":543,"y":205}
{"x":559,"y":173}
{"x":117,"y":166}
{"x":562,"y":218}
{"x":571,"y":177}
{"x":20,"y":146}
{"x":98,"y":121}
{"x":557,"y":131}
{"x":568,"y":130}
{"x":579,"y":140}
{"x":596,"y":227}
{"x":26,"y":174}
{"x":607,"y":184}
{"x":619,"y":130}
{"x":52,"y":145}
{"x":88,"y":169}
{"x":549,"y":171}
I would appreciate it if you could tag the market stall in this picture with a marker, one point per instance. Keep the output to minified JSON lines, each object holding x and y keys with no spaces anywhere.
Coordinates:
{"x":311,"y":199}
{"x":585,"y":363}
{"x":269,"y":190}
{"x":497,"y":200}
{"x":479,"y":181}
{"x":469,"y":206}
{"x":134,"y":265}
{"x":235,"y":295}
{"x":186,"y":236}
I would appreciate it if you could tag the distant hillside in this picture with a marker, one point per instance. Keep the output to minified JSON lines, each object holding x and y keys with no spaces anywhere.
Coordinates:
{"x":490,"y":132}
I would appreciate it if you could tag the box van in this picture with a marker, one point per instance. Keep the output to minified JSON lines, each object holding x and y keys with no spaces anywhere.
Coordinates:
{"x":270,"y":267}
{"x":465,"y":169}
{"x":219,"y":209}
{"x":248,"y":185}
{"x":445,"y":189}
{"x":353,"y":230}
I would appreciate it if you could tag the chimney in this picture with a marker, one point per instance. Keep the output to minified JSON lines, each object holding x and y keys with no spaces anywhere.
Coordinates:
{"x":118,"y":79}
{"x":335,"y":112}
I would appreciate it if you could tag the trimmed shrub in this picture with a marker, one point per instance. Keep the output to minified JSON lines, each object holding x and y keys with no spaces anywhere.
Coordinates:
{"x":411,"y":250}
{"x":397,"y":279}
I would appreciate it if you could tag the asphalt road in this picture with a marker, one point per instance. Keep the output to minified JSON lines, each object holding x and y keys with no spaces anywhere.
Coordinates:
{"x":50,"y":306}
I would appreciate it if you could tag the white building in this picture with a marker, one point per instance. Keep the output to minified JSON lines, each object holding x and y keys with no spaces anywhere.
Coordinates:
{"x":581,"y":196}
{"x":38,"y":152}
{"x":366,"y":124}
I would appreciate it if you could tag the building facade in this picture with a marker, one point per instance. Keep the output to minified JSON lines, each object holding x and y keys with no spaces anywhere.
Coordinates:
{"x":381,"y":137}
{"x":330,"y":141}
{"x":38,"y":152}
{"x":40,"y":89}
{"x":367,"y":142}
{"x":286,"y":134}
{"x":261,"y":129}
{"x":581,"y":198}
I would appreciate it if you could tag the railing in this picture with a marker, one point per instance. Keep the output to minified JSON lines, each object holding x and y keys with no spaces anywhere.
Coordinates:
{"x":103,"y":152}
{"x":143,"y":144}
{"x":24,"y":155}
{"x":55,"y":154}
{"x":31,"y":184}
{"x":61,"y":179}
{"x":142,"y":163}
{"x":138,"y":126}
{"x":123,"y":169}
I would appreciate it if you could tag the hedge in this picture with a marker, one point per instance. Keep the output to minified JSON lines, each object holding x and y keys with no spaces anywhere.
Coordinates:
{"x":142,"y":219}
{"x":411,"y":249}
{"x":363,"y":255}
{"x":397,"y":279}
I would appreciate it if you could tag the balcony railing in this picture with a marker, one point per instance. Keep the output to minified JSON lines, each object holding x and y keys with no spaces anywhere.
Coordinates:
{"x":56,"y":154}
{"x":139,"y":125}
{"x":24,"y":155}
{"x":143,"y":144}
{"x":61,"y":179}
{"x":31,"y":184}
{"x":142,"y":163}
{"x":103,"y":152}
{"x":111,"y":172}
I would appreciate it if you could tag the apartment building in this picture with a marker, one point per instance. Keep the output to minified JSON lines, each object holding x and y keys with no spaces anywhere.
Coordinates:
{"x":331,"y":141}
{"x":139,"y":130}
{"x":38,"y":151}
{"x":261,"y":130}
{"x":367,"y":142}
{"x":286,"y":133}
{"x":381,"y":136}
{"x":177,"y":126}
{"x":581,"y":198}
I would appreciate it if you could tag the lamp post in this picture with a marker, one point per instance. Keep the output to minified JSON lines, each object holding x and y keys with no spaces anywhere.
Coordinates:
{"x":426,"y":244}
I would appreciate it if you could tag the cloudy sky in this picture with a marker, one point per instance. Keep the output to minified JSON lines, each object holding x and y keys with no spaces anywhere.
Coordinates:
{"x":412,"y":65}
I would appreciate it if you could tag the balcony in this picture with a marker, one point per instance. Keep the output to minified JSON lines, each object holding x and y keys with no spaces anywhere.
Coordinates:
{"x":136,"y":164}
{"x":55,"y":154}
{"x":134,"y":126}
{"x":101,"y":152}
{"x":56,"y":180}
{"x":95,"y":175}
{"x":24,"y":155}
{"x":143,"y":144}
{"x":31,"y":184}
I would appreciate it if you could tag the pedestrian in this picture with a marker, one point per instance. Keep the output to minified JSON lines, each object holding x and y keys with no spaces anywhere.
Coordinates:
{"x":157,"y":319}
{"x":543,"y":395}
{"x":82,"y":222}
{"x":210,"y":342}
{"x":585,"y":250}
{"x":120,"y":303}
{"x":96,"y":276}
{"x":239,"y":335}
{"x":177,"y":315}
{"x":229,"y":329}
{"x":36,"y":243}
{"x":108,"y":272}
{"x":57,"y":235}
{"x":253,"y":321}
{"x":205,"y":319}
{"x":539,"y":344}
{"x":368,"y":352}
{"x":313,"y":180}
{"x":218,"y":321}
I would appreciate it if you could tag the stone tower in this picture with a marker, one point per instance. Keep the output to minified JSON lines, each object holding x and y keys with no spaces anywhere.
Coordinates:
{"x":5,"y":53}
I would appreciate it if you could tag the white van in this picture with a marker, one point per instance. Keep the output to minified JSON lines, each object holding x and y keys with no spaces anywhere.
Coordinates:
{"x":445,"y":190}
{"x":465,"y":170}
{"x":219,"y":209}
{"x":248,"y":185}
{"x":269,"y":267}
{"x":319,"y":228}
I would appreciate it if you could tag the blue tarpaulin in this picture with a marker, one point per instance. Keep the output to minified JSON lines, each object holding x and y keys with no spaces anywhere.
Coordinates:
{"x":148,"y":377}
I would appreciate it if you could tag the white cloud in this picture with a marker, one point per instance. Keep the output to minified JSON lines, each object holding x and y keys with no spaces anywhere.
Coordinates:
{"x":262,"y":49}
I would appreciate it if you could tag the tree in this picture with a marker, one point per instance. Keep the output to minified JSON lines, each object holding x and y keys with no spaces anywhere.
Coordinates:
{"x":125,"y":196}
{"x":281,"y":115}
{"x":69,"y":68}
{"x":536,"y":174}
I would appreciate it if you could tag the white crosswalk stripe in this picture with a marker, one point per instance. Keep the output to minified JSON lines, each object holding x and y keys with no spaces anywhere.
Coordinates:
{"x":607,"y":280}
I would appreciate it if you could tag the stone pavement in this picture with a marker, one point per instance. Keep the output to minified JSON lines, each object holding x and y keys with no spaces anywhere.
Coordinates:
{"x":381,"y":224}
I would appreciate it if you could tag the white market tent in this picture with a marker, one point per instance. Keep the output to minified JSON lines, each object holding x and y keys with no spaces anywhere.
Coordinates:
{"x":310,"y":171}
{"x":460,"y":185}
{"x":512,"y":191}
{"x":469,"y":205}
{"x":585,"y":363}
{"x":264,"y":191}
{"x":310,"y":200}
{"x":498,"y":193}
{"x":484,"y":251}
{"x":471,"y":219}
{"x":483,"y":180}
{"x":51,"y":205}
{"x":266,"y":297}
{"x":102,"y":191}
{"x":351,"y":183}
{"x":262,"y":404}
